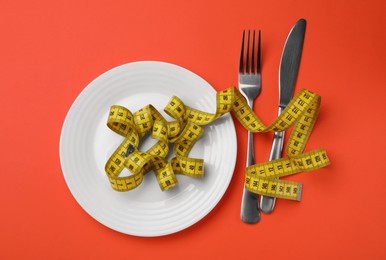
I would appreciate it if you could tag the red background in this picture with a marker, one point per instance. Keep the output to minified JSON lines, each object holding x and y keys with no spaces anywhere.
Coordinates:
{"x":50,"y":50}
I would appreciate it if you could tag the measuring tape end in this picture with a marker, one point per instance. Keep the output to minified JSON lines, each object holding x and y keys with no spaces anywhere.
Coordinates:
{"x":299,"y":197}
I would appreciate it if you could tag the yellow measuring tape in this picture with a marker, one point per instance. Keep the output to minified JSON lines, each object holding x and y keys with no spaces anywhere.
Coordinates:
{"x":301,"y":113}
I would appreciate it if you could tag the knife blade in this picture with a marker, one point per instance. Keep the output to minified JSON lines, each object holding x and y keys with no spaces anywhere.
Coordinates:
{"x":289,"y":67}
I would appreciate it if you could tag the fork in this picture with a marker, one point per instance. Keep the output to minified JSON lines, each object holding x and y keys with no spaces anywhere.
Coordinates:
{"x":250,"y":86}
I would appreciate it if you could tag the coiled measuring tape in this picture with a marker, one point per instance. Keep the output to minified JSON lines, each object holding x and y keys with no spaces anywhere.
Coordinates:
{"x":301,"y":113}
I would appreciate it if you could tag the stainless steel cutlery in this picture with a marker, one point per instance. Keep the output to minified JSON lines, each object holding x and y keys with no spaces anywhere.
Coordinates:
{"x":289,"y":66}
{"x":250,"y":86}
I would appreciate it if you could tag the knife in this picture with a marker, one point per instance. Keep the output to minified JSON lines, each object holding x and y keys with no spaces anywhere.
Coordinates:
{"x":289,"y":66}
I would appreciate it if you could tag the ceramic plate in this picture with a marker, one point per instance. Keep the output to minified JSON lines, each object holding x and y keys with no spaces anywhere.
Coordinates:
{"x":86,"y":143}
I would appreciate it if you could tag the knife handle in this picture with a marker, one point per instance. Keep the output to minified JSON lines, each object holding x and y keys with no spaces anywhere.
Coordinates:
{"x":268,"y":203}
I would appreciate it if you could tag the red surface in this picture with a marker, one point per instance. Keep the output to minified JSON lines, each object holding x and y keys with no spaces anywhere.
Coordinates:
{"x":50,"y":50}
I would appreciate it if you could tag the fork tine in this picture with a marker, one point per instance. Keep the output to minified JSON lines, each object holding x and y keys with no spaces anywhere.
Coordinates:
{"x":258,"y":55}
{"x":253,"y":53}
{"x":247,"y":65}
{"x":241,"y":68}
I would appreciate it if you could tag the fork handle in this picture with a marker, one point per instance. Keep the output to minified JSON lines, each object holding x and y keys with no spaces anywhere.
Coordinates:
{"x":250,"y":213}
{"x":268,"y":203}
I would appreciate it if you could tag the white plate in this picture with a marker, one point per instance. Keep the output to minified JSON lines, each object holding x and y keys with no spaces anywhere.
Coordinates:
{"x":86,"y":143}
